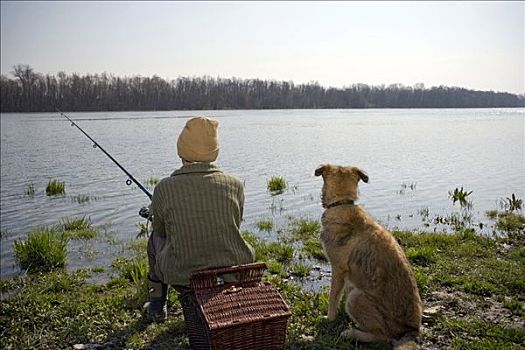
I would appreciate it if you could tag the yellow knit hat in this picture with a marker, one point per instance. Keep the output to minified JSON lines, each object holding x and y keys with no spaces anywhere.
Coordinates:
{"x":199,"y":140}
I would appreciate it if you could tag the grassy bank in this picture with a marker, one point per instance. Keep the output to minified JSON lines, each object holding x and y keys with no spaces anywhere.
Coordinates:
{"x":473,"y":288}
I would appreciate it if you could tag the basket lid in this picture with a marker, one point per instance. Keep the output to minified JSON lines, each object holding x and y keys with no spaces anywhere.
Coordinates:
{"x":233,"y":305}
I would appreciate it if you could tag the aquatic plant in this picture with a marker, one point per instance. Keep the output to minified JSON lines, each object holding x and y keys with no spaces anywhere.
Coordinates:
{"x":314,"y":249}
{"x":43,"y":250}
{"x":456,"y":220}
{"x":276,"y":185}
{"x":55,"y":187}
{"x":277,"y":206}
{"x":282,"y":253}
{"x":511,"y":224}
{"x":276,"y":268}
{"x":30,"y":190}
{"x":72,"y":224}
{"x":304,"y":229}
{"x":277,"y":251}
{"x":513,"y":203}
{"x":265,"y":225}
{"x":508,"y":221}
{"x":98,"y":269}
{"x":424,"y":213}
{"x":143,"y":229}
{"x":460,"y":195}
{"x":152,"y":181}
{"x":78,"y":228}
{"x":407,"y":186}
{"x":81,"y":198}
{"x":300,"y":269}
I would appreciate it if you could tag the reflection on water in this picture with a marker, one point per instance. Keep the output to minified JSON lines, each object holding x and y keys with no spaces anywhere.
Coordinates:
{"x":413,"y":158}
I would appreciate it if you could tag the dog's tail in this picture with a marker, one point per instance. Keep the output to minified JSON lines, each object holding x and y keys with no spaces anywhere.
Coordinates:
{"x":407,"y":342}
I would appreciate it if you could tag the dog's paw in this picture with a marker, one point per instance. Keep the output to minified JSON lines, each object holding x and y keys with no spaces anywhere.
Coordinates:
{"x":331,"y":316}
{"x":348,"y":334}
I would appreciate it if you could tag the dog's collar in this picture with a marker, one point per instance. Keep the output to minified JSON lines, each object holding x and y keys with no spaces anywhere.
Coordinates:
{"x":341,"y":202}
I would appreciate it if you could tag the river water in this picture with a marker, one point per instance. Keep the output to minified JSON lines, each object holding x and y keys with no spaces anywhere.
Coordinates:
{"x":413,"y":157}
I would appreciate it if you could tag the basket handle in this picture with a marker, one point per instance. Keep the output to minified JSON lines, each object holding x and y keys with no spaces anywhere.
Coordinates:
{"x":247,"y":274}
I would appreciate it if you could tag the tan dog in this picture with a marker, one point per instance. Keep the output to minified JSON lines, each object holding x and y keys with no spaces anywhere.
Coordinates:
{"x":383,"y":298}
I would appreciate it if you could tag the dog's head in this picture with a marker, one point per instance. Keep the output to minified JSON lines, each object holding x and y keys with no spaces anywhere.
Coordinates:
{"x":339,"y":182}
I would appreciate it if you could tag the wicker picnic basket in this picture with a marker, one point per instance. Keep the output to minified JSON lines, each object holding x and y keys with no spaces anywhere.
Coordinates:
{"x":248,"y":314}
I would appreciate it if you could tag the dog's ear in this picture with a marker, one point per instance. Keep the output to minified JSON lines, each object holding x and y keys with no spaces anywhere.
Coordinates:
{"x":320,"y":170}
{"x":362,"y":175}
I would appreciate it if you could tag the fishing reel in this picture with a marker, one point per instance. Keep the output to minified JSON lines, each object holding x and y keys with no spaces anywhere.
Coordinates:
{"x":146,"y":213}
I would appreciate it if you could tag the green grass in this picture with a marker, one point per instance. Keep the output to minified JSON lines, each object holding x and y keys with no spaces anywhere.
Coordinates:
{"x":134,"y":270}
{"x":152,"y":181}
{"x":143,"y":229}
{"x":265,"y":225}
{"x":508,"y":221}
{"x":300,"y":269}
{"x":461,"y":196}
{"x":276,"y":268}
{"x":466,"y":262}
{"x":30,"y":190}
{"x":515,"y":306}
{"x":276,"y":185}
{"x":280,"y":252}
{"x":421,"y":256}
{"x":79,"y":228}
{"x":511,"y":224}
{"x":478,"y":281}
{"x":55,"y":187}
{"x":478,"y":334}
{"x":304,"y":229}
{"x":314,"y":249}
{"x":81,"y":198}
{"x":98,"y":269}
{"x":43,"y":250}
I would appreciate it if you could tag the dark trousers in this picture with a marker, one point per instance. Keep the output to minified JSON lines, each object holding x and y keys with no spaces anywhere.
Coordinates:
{"x":155,"y":244}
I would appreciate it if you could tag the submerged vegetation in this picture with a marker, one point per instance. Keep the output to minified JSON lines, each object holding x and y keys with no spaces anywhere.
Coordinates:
{"x":512,"y":203}
{"x":460,"y":195}
{"x":152,"y":181}
{"x":44,"y":250}
{"x":55,"y":187}
{"x":82,"y":198}
{"x":265,"y":225}
{"x":30,"y":190}
{"x":78,"y":228}
{"x":276,"y":185}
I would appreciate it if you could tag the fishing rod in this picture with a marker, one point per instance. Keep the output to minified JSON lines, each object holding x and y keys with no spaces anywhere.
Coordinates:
{"x":95,"y":145}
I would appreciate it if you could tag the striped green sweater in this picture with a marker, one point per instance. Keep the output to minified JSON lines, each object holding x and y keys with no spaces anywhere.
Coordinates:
{"x":199,"y":210}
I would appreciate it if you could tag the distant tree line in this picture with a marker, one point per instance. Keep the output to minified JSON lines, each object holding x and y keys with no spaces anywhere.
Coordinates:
{"x":30,"y":91}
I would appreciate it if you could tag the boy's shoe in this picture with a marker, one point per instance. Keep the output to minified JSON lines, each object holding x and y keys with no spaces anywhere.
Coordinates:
{"x":156,"y":311}
{"x":157,"y":307}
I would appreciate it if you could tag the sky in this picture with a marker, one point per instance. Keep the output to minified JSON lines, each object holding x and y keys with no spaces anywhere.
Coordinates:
{"x":475,"y":45}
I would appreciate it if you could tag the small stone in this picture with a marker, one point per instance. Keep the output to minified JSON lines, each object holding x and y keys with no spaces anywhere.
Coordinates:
{"x":433,"y":310}
{"x":308,"y":338}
